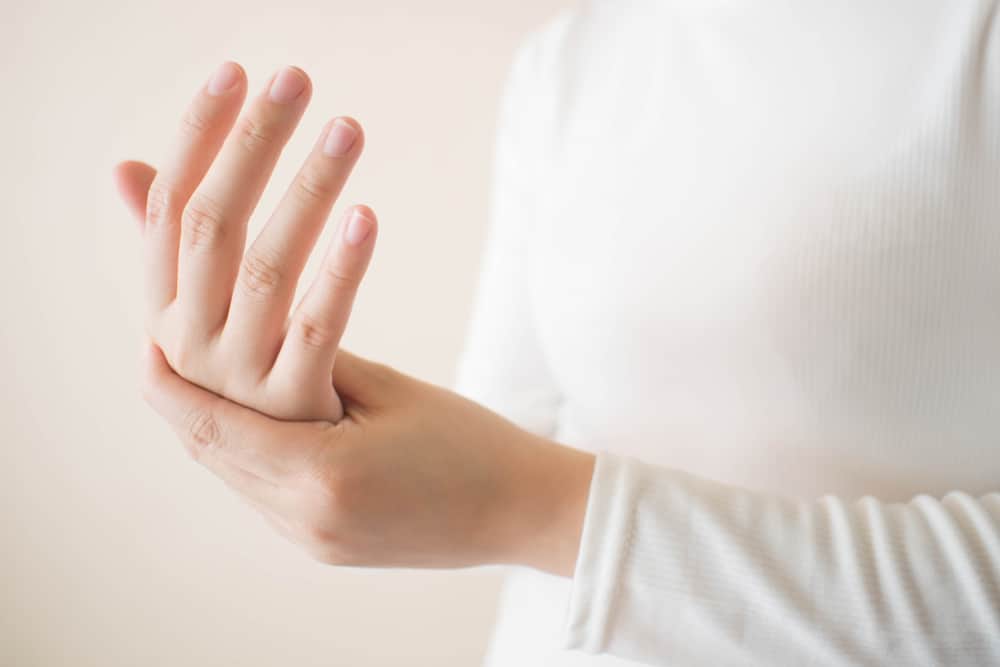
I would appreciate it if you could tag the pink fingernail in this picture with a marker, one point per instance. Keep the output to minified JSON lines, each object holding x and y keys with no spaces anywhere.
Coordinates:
{"x":224,"y":78}
{"x":287,"y":86}
{"x":358,"y":228}
{"x":340,"y":138}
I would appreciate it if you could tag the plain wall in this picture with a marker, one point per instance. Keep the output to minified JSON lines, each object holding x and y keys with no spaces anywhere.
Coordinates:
{"x":116,"y":548}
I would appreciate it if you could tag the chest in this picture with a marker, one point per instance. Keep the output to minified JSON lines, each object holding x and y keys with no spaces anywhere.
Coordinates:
{"x":830,"y":244}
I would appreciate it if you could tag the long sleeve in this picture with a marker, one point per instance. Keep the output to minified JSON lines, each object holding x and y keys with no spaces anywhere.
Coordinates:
{"x":678,"y":570}
{"x":502,"y":365}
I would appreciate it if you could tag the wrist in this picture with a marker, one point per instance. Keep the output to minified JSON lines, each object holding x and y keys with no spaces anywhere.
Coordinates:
{"x":548,"y":505}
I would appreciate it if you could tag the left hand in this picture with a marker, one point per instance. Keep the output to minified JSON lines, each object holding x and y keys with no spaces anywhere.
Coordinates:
{"x":412,"y":476}
{"x":219,"y":314}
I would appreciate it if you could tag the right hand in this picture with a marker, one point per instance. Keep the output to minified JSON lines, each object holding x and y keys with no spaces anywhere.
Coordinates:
{"x":220,"y":317}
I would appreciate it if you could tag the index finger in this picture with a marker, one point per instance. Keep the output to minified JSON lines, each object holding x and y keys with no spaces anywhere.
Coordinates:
{"x":203,"y":128}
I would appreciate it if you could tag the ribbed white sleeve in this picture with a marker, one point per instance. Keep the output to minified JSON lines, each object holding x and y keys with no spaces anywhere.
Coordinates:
{"x":676,"y":570}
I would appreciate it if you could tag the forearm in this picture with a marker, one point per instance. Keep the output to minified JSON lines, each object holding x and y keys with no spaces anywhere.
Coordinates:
{"x":674,"y":568}
{"x":543,"y":504}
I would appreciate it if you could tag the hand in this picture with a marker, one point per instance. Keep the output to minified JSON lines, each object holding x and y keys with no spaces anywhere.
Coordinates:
{"x":385,"y":470}
{"x":222,"y":317}
{"x":413,"y":475}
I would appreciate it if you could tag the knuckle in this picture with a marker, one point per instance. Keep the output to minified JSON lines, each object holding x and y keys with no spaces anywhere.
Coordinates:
{"x":340,"y":279}
{"x":313,"y":333}
{"x":203,"y":432}
{"x":202,"y":224}
{"x":310,"y":188}
{"x":331,"y":505}
{"x":194,"y":122}
{"x":318,"y":531}
{"x":260,"y":275}
{"x":326,"y":554}
{"x":159,"y":202}
{"x":325,"y":541}
{"x":339,"y":491}
{"x":256,"y":134}
{"x":337,"y":555}
{"x":183,"y":356}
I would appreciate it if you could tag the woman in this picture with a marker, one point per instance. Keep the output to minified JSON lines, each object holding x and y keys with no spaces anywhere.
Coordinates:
{"x":737,"y":339}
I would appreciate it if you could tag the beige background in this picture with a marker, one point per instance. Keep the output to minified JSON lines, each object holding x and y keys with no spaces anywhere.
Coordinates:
{"x":116,"y":549}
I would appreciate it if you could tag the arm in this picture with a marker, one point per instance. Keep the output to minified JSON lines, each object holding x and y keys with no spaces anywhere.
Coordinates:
{"x":668,"y":568}
{"x":674,"y":569}
{"x":397,"y":472}
{"x":350,"y":459}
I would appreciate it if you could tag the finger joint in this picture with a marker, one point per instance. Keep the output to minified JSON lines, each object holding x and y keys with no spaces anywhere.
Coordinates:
{"x":203,"y":224}
{"x":339,"y":279}
{"x":260,"y":275}
{"x":203,"y":433}
{"x":313,"y":333}
{"x":310,"y":188}
{"x":194,"y":123}
{"x":256,"y":135}
{"x":159,"y":203}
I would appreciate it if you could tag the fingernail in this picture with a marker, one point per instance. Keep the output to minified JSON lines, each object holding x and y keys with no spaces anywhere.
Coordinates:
{"x":339,"y":139}
{"x":224,"y":78}
{"x":287,"y":86}
{"x":358,"y":228}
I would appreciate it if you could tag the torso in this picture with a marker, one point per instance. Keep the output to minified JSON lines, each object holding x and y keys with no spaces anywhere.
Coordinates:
{"x":776,"y":262}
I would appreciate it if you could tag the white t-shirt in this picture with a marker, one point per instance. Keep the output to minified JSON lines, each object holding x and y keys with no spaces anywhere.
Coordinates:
{"x":749,"y":252}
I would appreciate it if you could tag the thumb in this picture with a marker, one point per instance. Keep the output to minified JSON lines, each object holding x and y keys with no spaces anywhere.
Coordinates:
{"x":364,"y":382}
{"x":132,"y":179}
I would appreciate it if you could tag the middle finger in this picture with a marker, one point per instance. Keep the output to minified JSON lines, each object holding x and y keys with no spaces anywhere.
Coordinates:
{"x":265,"y":285}
{"x":213,"y":227}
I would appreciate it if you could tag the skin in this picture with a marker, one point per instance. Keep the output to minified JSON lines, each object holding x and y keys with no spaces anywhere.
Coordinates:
{"x":354,"y":461}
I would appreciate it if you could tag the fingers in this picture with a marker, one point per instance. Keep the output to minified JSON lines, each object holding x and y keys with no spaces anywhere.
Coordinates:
{"x":271,"y":267}
{"x":133,"y":180}
{"x":214,"y":220}
{"x":315,"y":329}
{"x":203,"y":128}
{"x":223,"y":435}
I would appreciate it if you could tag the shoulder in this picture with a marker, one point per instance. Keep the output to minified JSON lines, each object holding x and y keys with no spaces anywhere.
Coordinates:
{"x":549,"y":62}
{"x":553,"y":46}
{"x":561,"y":58}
